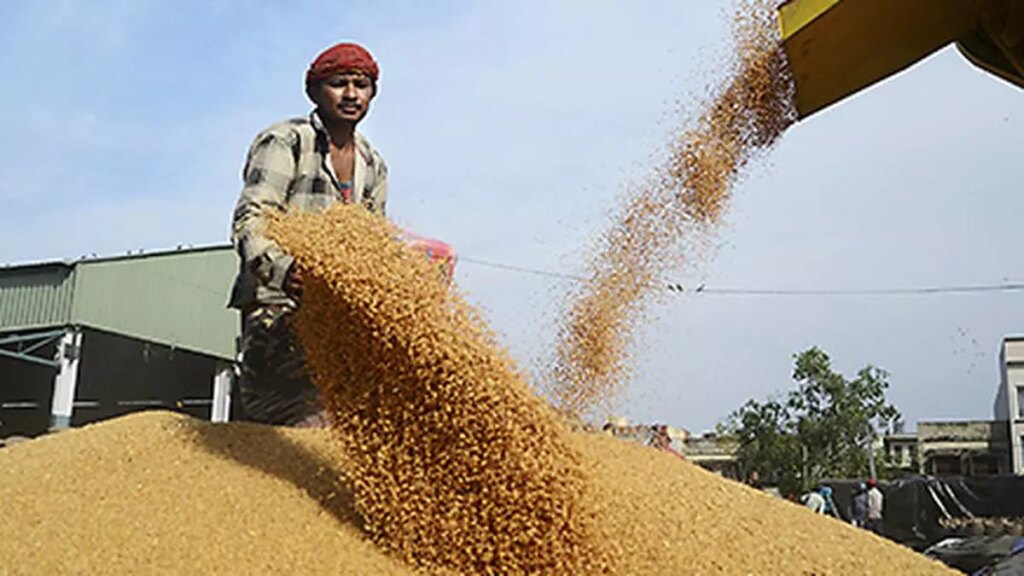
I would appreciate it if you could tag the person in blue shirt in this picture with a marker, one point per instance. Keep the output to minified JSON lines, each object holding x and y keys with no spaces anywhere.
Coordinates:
{"x":830,"y":505}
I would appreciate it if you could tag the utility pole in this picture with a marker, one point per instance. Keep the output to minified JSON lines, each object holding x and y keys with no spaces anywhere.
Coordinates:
{"x":871,"y":452}
{"x":803,"y":467}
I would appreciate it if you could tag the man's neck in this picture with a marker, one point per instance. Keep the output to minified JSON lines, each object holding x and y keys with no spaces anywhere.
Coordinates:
{"x":342,"y":134}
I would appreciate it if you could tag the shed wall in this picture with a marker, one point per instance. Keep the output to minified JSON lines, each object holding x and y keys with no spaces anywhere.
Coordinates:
{"x":179,"y":300}
{"x":34,"y":297}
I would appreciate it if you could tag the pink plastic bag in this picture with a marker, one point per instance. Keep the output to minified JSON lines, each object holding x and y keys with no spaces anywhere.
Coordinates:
{"x":441,"y":253}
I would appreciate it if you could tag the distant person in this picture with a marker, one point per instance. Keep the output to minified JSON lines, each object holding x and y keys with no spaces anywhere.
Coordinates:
{"x":859,"y":506}
{"x":299,"y":165}
{"x":662,"y":441}
{"x":820,"y":501}
{"x":814,"y":501}
{"x":659,"y":437}
{"x":876,"y":507}
{"x":754,"y":480}
{"x":830,"y":504}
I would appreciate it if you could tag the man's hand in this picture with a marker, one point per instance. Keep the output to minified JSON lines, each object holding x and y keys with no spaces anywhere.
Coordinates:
{"x":293,"y":283}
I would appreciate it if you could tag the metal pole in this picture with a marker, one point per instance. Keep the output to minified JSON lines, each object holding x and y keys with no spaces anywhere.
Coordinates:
{"x":803,"y":466}
{"x":220,"y":411}
{"x":871,"y":453}
{"x":69,"y":352}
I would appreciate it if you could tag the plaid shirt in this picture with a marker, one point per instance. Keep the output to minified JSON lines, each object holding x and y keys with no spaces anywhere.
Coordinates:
{"x":288,"y":168}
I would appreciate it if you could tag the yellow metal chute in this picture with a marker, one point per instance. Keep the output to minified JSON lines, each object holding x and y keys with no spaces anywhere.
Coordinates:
{"x":838,"y":47}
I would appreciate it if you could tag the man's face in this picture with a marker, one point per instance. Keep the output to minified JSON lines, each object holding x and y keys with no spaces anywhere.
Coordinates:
{"x":343,"y":97}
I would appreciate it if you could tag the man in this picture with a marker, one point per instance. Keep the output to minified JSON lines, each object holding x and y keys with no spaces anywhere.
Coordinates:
{"x":659,"y":437}
{"x":859,"y":506}
{"x":830,"y":504}
{"x":303,"y":164}
{"x":814,"y":501}
{"x":820,"y":501}
{"x":876,"y":502}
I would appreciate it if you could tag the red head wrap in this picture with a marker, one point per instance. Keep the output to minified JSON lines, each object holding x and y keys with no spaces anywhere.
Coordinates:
{"x":340,"y":58}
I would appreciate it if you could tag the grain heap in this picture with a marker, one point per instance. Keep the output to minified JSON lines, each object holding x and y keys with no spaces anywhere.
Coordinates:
{"x":455,"y":463}
{"x":161,"y":493}
{"x":744,"y":116}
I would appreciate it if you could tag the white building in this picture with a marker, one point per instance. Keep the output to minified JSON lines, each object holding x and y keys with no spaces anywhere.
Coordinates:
{"x":901,"y":450}
{"x":1009,"y":405}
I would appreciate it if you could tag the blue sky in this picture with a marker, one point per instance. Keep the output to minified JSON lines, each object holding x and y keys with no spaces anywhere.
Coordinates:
{"x":511,"y":129}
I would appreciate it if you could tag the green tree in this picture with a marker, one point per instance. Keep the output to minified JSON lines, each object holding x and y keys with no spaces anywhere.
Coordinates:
{"x":822,"y":429}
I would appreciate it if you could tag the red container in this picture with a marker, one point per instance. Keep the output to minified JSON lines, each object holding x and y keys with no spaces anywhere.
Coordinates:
{"x":441,"y":253}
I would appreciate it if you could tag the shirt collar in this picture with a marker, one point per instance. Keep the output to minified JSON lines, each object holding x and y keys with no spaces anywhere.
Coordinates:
{"x":322,"y":135}
{"x":318,"y":124}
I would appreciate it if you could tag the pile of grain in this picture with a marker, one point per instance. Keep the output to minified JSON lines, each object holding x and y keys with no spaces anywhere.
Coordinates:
{"x":162,"y":493}
{"x":744,"y":115}
{"x":455,"y":463}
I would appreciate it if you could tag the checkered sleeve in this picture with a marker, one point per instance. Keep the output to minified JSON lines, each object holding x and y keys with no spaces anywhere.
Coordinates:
{"x":268,"y":173}
{"x":380,"y":190}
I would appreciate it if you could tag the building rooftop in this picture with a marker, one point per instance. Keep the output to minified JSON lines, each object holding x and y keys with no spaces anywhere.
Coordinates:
{"x":177,"y":298}
{"x":129,"y":255}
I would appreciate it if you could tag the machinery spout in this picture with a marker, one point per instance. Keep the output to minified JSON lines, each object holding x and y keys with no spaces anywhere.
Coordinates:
{"x":839,"y":47}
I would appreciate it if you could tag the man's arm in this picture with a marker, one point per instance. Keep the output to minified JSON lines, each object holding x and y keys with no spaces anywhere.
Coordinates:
{"x":380,"y":193}
{"x":379,"y":189}
{"x":268,"y":172}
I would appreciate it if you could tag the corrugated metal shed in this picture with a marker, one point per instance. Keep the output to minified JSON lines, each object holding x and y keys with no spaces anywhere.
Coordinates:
{"x":176,"y":298}
{"x":35,"y":296}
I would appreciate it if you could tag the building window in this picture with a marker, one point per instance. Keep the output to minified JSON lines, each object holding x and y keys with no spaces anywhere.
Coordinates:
{"x":984,"y":466}
{"x":946,"y":466}
{"x":1020,"y":401}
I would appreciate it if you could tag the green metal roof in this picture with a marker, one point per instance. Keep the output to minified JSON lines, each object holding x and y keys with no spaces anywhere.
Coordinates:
{"x":176,"y":298}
